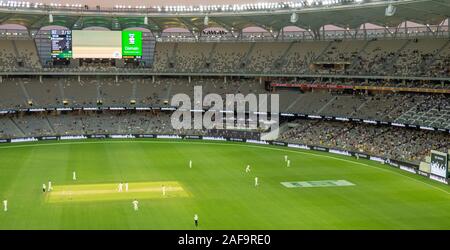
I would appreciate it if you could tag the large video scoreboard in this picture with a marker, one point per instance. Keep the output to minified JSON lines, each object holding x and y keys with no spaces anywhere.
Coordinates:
{"x":67,"y":44}
{"x":131,"y":44}
{"x":61,"y":41}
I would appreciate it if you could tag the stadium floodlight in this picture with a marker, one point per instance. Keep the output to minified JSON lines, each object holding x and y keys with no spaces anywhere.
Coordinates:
{"x":390,"y":10}
{"x":206,"y":21}
{"x":50,"y":18}
{"x":294,"y":17}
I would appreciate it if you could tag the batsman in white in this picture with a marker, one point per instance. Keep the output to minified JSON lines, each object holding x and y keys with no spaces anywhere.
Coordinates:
{"x":256,"y":181}
{"x":164,"y":190}
{"x":5,"y":205}
{"x":247,"y":169}
{"x":74,"y":176}
{"x":288,"y":163}
{"x":120,"y":187}
{"x":135,"y":205}
{"x":49,"y":187}
{"x":126,"y":187}
{"x":190,"y":163}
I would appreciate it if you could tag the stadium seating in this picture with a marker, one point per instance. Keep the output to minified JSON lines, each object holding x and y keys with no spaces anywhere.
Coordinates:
{"x":419,"y":109}
{"x":396,"y":143}
{"x":397,"y":57}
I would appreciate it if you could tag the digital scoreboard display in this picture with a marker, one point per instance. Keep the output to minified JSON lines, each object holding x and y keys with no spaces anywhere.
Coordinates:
{"x":61,"y":41}
{"x":95,"y":44}
{"x":131,"y":44}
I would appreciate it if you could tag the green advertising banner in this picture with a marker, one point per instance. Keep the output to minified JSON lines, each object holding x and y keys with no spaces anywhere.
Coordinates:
{"x":131,"y":43}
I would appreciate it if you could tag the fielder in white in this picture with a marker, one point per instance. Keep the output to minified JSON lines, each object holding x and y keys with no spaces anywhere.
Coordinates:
{"x":190,"y":164}
{"x":49,"y":187}
{"x":5,"y":205}
{"x":120,"y":187}
{"x":247,"y":169}
{"x":163,"y":190}
{"x":44,"y":187}
{"x":74,"y":176}
{"x":135,"y":205}
{"x":288,"y":163}
{"x":126,"y":187}
{"x":196,"y":220}
{"x":285,"y":158}
{"x":256,"y":181}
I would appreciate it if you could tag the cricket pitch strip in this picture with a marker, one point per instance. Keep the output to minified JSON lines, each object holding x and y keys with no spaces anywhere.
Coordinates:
{"x":110,"y":192}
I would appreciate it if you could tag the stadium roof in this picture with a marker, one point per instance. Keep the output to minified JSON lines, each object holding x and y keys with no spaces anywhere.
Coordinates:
{"x":350,"y":15}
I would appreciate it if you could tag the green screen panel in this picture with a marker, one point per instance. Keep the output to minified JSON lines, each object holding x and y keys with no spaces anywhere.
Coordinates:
{"x":131,"y":43}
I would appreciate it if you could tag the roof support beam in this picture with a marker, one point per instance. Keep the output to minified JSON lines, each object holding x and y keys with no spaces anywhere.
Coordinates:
{"x":189,"y":25}
{"x":6,"y":18}
{"x":78,"y":23}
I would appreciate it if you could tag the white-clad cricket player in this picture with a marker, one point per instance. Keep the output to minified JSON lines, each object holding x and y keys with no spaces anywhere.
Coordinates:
{"x":120,"y":187}
{"x":247,"y":169}
{"x":136,"y":205}
{"x":49,"y":187}
{"x":163,"y":190}
{"x":196,"y":220}
{"x":5,"y":205}
{"x":256,"y":181}
{"x":288,"y":163}
{"x":74,"y":176}
{"x":357,"y":156}
{"x":44,"y":187}
{"x":126,"y":187}
{"x":285,"y":158}
{"x":190,"y":163}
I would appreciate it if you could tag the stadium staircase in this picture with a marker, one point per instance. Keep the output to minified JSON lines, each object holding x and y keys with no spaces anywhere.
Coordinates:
{"x":61,"y":90}
{"x":319,"y":56}
{"x":37,"y":52}
{"x":433,"y":117}
{"x":50,"y":126}
{"x":426,"y":64}
{"x":19,"y":129}
{"x":133,"y":91}
{"x":359,"y":108}
{"x":281,"y":61}
{"x":173,"y":54}
{"x":99,"y":92}
{"x":361,"y":51}
{"x":245,"y":60}
{"x":326,"y":105}
{"x":273,"y":135}
{"x":16,"y":51}
{"x":210,"y":54}
{"x":24,"y":90}
{"x":389,"y":66}
{"x":294,"y":103}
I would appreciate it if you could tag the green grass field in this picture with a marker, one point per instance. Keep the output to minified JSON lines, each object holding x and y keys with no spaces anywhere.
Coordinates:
{"x":216,"y":188}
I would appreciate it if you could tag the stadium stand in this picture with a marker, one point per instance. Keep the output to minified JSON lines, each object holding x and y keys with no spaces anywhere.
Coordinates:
{"x":396,"y":143}
{"x":384,"y":74}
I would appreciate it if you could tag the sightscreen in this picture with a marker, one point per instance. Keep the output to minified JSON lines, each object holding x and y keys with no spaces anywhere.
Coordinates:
{"x":61,"y":41}
{"x":97,"y":44}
